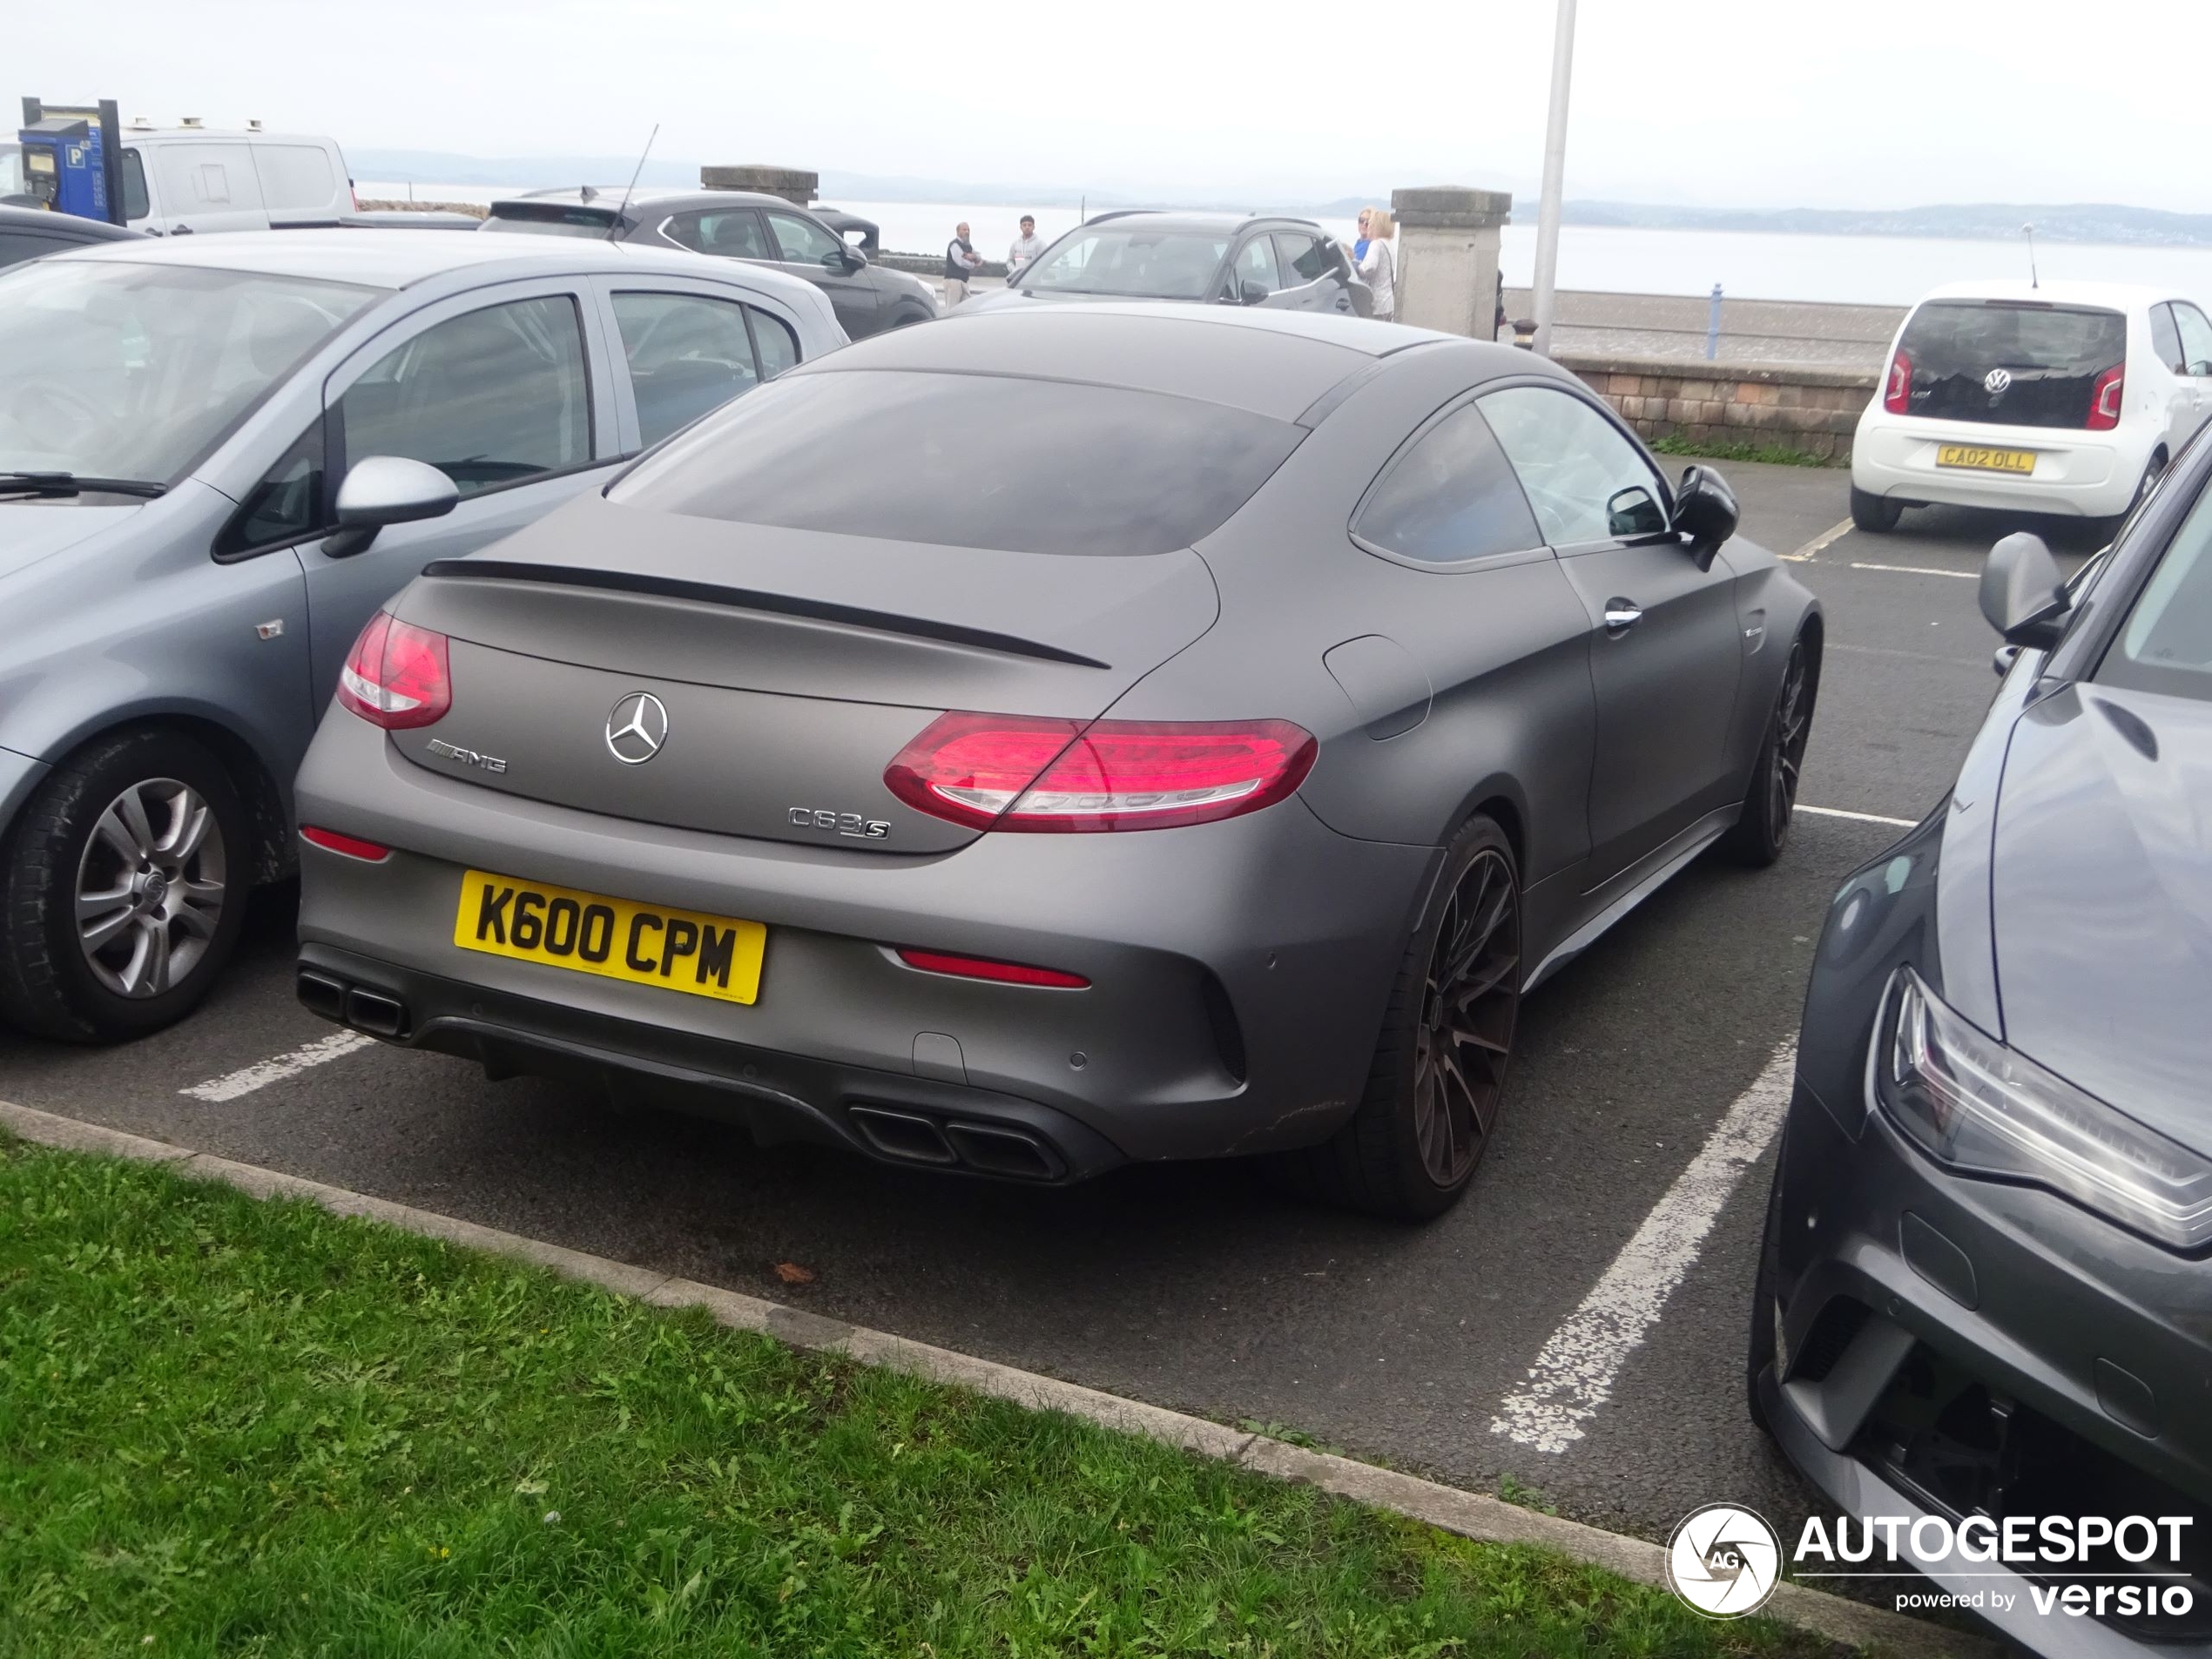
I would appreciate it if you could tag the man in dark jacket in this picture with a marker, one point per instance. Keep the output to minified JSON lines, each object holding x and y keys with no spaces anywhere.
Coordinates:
{"x":962,"y":262}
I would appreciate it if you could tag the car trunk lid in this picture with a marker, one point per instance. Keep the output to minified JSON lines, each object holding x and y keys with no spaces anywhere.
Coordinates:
{"x":2010,"y":362}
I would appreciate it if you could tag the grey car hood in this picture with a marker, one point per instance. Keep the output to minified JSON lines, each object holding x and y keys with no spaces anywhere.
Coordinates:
{"x":31,"y":530}
{"x":2102,"y":911}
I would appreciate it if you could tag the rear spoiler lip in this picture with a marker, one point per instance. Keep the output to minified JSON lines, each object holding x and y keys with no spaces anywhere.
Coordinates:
{"x":782,"y":604}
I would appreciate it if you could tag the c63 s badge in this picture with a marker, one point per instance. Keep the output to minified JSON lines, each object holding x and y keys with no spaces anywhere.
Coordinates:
{"x":446,"y":750}
{"x":821,"y":818}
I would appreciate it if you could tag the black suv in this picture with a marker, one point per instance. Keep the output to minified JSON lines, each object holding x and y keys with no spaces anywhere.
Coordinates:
{"x":734,"y":224}
{"x":1227,"y":258}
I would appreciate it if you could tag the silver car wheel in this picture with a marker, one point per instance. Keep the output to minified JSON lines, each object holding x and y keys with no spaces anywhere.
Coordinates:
{"x":150,"y":888}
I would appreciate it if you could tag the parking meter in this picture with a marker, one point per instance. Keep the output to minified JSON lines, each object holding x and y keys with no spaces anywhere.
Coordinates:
{"x":71,"y":159}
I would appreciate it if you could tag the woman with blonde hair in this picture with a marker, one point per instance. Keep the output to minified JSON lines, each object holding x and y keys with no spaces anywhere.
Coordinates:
{"x":1376,"y":265}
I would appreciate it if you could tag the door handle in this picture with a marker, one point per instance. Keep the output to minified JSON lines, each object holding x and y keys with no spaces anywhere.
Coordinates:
{"x":180,"y":230}
{"x":1621,"y":615}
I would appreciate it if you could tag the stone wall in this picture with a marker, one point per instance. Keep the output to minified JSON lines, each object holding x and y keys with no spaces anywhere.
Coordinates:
{"x":1812,"y":410}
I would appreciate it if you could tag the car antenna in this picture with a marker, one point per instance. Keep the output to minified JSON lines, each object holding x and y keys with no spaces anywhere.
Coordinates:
{"x":621,"y":212}
{"x":2033,"y":280}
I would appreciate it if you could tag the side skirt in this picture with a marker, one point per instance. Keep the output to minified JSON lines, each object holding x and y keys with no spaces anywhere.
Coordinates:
{"x":1632,"y":887}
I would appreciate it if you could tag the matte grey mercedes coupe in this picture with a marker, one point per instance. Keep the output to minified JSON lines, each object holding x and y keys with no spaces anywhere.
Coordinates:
{"x":1062,"y":737}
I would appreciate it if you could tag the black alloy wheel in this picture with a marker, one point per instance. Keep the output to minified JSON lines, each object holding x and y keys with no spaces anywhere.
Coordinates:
{"x":1771,"y":801}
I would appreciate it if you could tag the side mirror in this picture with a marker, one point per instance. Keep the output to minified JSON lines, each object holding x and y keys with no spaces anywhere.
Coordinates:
{"x":1252,"y":294}
{"x":851,"y":258}
{"x":386,"y":490}
{"x":1705,"y":511}
{"x":2022,"y":593}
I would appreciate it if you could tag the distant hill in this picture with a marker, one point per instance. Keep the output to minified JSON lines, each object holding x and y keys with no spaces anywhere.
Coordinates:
{"x":1977,"y":221}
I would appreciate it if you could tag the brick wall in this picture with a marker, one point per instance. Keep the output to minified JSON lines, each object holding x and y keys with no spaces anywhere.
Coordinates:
{"x":1814,"y":410}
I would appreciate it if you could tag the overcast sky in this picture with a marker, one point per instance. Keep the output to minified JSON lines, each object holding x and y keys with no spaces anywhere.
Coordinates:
{"x":1752,"y":103}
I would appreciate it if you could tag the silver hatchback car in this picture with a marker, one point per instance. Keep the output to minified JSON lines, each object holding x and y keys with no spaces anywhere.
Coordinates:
{"x":183,"y":569}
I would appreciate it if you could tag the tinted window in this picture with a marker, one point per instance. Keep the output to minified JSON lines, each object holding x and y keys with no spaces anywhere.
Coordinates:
{"x":2166,"y":339}
{"x":778,"y":346}
{"x":1301,"y":257}
{"x":2196,"y":338}
{"x":287,"y":505}
{"x":687,"y":354}
{"x":15,"y":247}
{"x":135,"y":204}
{"x":2166,"y":645}
{"x":1136,"y":263}
{"x":1450,"y":495}
{"x":803,"y":242}
{"x":2051,"y":356}
{"x":968,"y":461}
{"x":728,"y":234}
{"x":1256,"y":263}
{"x":486,"y":398}
{"x":1585,"y":481}
{"x":573,"y":221}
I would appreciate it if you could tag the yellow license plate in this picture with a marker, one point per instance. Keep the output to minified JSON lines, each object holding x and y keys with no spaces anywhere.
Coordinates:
{"x":586,"y":932}
{"x":1967,"y":456}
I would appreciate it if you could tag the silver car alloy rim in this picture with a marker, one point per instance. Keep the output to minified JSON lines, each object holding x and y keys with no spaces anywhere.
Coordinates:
{"x":150,"y":888}
{"x":1468,"y":1008}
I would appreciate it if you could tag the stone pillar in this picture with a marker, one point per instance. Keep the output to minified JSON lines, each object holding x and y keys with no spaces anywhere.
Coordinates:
{"x":794,"y":185}
{"x":1448,"y":257}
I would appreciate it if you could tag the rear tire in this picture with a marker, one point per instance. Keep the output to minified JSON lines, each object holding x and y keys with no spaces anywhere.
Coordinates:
{"x":1438,"y":1081}
{"x":1771,"y":801}
{"x":123,"y":890}
{"x":1759,"y":1347}
{"x":1876,"y":514}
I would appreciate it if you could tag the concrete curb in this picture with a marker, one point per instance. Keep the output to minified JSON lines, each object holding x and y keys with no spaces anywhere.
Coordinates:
{"x":1469,"y":1515}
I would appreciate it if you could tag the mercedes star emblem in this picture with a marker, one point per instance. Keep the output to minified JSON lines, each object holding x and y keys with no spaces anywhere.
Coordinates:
{"x":636,"y":729}
{"x":1997,"y":383}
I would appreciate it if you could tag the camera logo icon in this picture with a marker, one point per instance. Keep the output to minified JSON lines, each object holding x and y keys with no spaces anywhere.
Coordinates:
{"x":1723,"y":1561}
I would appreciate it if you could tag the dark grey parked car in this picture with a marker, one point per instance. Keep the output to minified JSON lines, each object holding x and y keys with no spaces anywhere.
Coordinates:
{"x":736,"y":225}
{"x":1062,"y":737}
{"x":218,"y":454}
{"x":1223,"y":259}
{"x":33,"y":232}
{"x":1985,"y":1288}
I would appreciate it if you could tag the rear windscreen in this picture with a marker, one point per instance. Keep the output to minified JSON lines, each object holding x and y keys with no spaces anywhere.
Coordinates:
{"x":550,"y":221}
{"x":2010,"y":362}
{"x":968,"y":461}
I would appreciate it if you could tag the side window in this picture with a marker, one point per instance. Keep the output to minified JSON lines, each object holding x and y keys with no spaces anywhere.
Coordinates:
{"x":687,"y":354}
{"x":1301,"y":257}
{"x":287,"y":506}
{"x":17,"y":246}
{"x":803,"y":242}
{"x":1448,"y":496}
{"x":488,"y":398}
{"x":731,"y":234}
{"x":1585,"y":481}
{"x":1256,"y":263}
{"x":778,"y":346}
{"x":2196,"y":338}
{"x":135,"y":203}
{"x":2166,"y":339}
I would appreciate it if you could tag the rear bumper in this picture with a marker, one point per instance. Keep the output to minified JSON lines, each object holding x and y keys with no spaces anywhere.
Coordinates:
{"x":1238,"y":970}
{"x":2086,"y":474}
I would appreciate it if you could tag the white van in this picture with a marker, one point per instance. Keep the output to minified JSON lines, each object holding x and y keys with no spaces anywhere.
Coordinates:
{"x":180,"y":181}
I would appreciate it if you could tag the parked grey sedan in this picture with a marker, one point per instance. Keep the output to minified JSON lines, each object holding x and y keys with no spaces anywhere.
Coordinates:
{"x":183,"y":572}
{"x":1063,"y":736}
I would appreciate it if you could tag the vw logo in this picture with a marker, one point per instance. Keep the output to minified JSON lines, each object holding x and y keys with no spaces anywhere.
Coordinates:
{"x":1997,"y":383}
{"x":636,"y":729}
{"x":1723,"y":1561}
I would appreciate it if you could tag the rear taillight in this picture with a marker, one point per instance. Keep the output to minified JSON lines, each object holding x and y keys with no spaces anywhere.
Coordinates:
{"x":352,"y":846}
{"x":1001,"y":771}
{"x":2105,"y":396}
{"x":1897,"y":394}
{"x":938,"y":961}
{"x":396,"y":676}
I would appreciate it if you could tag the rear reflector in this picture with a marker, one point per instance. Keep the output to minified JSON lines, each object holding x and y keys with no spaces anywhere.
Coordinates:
{"x":937,"y":961}
{"x":396,"y":676}
{"x":352,"y":846}
{"x":1000,"y":771}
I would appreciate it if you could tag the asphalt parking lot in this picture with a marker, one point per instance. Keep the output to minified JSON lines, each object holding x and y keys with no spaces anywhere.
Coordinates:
{"x":1198,"y":1287}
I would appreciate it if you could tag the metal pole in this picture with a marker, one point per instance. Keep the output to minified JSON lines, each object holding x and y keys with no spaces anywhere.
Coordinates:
{"x":1713,"y":326}
{"x":1555,"y":177}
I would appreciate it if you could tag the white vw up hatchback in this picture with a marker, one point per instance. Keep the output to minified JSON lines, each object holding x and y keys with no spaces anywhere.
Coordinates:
{"x":2069,"y":399}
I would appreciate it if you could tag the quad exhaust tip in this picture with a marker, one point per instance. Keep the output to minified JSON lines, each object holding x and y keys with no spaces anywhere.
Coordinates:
{"x":372,"y":1012}
{"x":987,"y":1149}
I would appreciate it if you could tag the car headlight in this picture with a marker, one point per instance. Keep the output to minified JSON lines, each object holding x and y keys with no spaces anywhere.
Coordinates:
{"x":1976,"y":1106}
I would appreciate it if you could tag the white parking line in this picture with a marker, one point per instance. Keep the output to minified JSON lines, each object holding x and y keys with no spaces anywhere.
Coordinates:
{"x":1920,"y":569}
{"x":1573,"y":1372}
{"x":1860,"y":818}
{"x":260,"y":1074}
{"x":1819,"y":542}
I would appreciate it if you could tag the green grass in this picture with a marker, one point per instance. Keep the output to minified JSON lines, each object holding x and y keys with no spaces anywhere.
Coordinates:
{"x":1773,"y":455}
{"x":238,"y":1428}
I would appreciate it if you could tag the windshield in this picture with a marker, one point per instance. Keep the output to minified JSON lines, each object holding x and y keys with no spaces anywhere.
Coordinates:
{"x":572,"y":221}
{"x":2166,"y":645}
{"x":1130,"y":262}
{"x":132,"y":371}
{"x":968,"y":461}
{"x":11,"y":169}
{"x":2010,"y":362}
